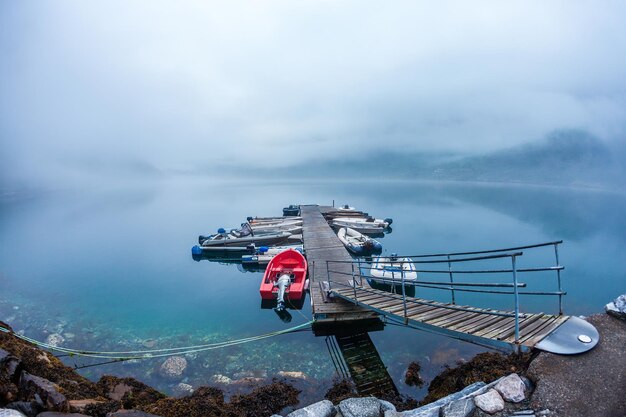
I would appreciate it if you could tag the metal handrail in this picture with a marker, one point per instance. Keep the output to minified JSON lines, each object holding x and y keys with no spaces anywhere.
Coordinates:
{"x":539,"y":245}
{"x":476,"y":258}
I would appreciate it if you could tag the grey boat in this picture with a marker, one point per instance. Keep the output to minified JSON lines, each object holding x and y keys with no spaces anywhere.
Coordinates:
{"x":243,"y":237}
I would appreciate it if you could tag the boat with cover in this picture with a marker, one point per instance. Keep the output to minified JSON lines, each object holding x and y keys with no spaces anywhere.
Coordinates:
{"x":387,"y":274}
{"x":358,"y":243}
{"x":264,"y":254}
{"x":284,"y":276}
{"x":346,"y":207}
{"x":243,"y":237}
{"x":291,"y":210}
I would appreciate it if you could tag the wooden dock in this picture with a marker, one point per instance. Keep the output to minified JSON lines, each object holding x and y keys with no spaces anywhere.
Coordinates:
{"x":484,"y":326}
{"x":321,"y":244}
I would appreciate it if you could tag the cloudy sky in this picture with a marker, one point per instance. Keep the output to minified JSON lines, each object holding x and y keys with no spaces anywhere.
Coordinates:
{"x":178,"y":84}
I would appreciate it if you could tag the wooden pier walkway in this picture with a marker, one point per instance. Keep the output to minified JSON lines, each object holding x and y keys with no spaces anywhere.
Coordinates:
{"x":321,"y":244}
{"x":477,"y":325}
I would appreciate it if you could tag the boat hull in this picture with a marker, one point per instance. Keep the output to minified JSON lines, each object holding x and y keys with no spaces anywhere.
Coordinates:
{"x":289,"y":262}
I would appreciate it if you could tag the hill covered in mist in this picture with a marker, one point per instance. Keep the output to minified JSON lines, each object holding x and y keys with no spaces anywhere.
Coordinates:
{"x":564,"y":157}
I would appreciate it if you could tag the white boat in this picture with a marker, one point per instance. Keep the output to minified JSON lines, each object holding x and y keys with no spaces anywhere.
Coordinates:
{"x":360,"y":221}
{"x":358,"y":243}
{"x":273,"y":220}
{"x":264,"y":254}
{"x":366,"y":228}
{"x":385,"y":271}
{"x":276,"y":226}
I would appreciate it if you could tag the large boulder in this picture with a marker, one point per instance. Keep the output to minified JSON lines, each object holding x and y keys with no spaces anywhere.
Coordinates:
{"x":490,"y":402}
{"x":33,"y":387}
{"x":617,"y":307}
{"x":360,"y":407}
{"x":173,"y":368}
{"x":320,"y":409}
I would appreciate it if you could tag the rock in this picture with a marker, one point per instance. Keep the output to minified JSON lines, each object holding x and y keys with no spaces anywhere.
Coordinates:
{"x":149,"y":343}
{"x":490,"y":402}
{"x":55,"y":339}
{"x":511,"y":388}
{"x":7,"y":412}
{"x":51,"y":398}
{"x":173,"y":368}
{"x":432,"y":409}
{"x":320,"y":409}
{"x":118,"y":391}
{"x":182,"y":390}
{"x":617,"y":307}
{"x":292,"y":374}
{"x":360,"y":407}
{"x":78,"y":406}
{"x":221,"y":379}
{"x":130,"y":413}
{"x":386,"y":406}
{"x":459,"y":408}
{"x":9,"y":365}
{"x":57,"y":414}
{"x":29,"y":408}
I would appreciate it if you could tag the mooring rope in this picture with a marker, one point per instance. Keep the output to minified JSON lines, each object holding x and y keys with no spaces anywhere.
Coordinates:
{"x":154,"y":353}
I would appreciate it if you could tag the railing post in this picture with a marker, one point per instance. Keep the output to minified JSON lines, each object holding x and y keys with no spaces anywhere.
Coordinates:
{"x":451,"y":280}
{"x":328,"y":275}
{"x":354,"y":283}
{"x":406,"y":320}
{"x":360,"y":273}
{"x":517,"y":347}
{"x":558,"y":277}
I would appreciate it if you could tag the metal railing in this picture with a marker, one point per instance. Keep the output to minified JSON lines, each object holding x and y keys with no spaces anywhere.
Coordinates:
{"x":448,"y":260}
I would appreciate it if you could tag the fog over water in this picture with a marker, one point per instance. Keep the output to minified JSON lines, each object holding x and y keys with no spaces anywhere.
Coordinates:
{"x":95,"y":90}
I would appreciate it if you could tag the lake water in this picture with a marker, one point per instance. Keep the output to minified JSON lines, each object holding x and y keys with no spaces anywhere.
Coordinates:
{"x":111,"y":268}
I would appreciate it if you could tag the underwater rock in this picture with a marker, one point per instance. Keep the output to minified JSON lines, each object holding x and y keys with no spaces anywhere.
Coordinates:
{"x":221,"y":379}
{"x":173,"y":368}
{"x":149,"y":343}
{"x":412,"y":375}
{"x":292,"y":374}
{"x":55,"y":339}
{"x":182,"y":389}
{"x":490,"y":402}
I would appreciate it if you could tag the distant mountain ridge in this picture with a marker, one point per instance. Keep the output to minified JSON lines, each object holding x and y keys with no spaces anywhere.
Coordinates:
{"x":563,"y":157}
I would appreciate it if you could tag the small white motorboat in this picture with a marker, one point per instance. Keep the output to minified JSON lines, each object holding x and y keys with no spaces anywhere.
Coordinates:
{"x":369,"y":229}
{"x":388,"y":272}
{"x":358,"y":243}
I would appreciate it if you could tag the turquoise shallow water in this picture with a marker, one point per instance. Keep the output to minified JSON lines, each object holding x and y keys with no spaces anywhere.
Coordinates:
{"x":111,"y":268}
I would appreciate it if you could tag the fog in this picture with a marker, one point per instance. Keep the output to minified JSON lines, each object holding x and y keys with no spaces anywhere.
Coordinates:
{"x":113,"y":88}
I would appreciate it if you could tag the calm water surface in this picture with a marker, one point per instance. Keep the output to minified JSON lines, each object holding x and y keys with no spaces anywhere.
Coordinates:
{"x":111,"y":268}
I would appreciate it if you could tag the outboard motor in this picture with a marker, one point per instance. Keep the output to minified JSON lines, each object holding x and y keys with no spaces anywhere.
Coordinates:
{"x":282,"y":283}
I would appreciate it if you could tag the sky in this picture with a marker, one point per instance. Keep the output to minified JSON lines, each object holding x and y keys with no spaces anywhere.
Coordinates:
{"x":182,"y":85}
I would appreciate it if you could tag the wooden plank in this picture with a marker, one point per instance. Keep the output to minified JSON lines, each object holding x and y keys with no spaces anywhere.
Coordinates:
{"x":525,"y":323}
{"x":462,"y":316}
{"x":538,"y":337}
{"x":545,"y":321}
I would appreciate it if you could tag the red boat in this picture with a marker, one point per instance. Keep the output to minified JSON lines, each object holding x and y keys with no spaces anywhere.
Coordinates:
{"x":285,"y":275}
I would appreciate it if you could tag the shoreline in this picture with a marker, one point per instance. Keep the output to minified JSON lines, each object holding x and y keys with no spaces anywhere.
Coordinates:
{"x":553,"y":377}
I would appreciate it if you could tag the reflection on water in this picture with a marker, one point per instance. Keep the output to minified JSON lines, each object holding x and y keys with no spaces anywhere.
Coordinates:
{"x":112,"y":270}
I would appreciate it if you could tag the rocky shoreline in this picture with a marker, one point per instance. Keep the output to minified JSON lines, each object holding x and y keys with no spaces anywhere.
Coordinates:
{"x":34,"y":383}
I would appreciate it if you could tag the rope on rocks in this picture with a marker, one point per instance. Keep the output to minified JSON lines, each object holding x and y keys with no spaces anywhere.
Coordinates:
{"x":155,"y":353}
